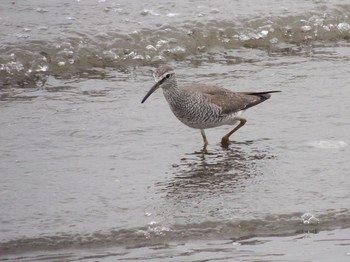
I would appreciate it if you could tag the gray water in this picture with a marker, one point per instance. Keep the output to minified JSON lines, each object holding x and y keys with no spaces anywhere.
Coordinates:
{"x":88,"y":173}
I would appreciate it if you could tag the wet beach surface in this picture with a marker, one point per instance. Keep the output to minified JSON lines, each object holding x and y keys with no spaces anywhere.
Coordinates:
{"x":88,"y":173}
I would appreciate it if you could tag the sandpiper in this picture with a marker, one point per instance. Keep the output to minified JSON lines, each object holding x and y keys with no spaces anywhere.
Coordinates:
{"x":202,"y":106}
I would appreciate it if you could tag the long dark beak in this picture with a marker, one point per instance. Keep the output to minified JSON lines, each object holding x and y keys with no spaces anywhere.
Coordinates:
{"x":154,"y":88}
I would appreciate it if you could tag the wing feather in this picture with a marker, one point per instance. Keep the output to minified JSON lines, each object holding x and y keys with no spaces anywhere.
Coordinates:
{"x":229,"y":102}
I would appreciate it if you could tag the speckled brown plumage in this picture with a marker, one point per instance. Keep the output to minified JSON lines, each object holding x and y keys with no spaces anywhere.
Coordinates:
{"x":203,"y":106}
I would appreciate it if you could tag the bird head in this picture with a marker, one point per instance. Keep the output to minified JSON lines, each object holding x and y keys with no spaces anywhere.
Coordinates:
{"x":164,"y":77}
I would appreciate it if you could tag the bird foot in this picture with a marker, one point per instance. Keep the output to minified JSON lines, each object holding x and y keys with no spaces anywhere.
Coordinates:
{"x":225,"y":142}
{"x":205,"y":151}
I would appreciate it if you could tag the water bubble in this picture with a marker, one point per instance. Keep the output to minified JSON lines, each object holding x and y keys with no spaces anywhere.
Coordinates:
{"x":274,"y":40}
{"x":145,"y":12}
{"x":66,"y":45}
{"x":152,"y":223}
{"x":306,"y":216}
{"x":110,"y":55}
{"x":326,"y":28}
{"x":12,"y":67}
{"x":318,"y":21}
{"x":138,"y":57}
{"x":42,"y":68}
{"x":154,"y":228}
{"x":158,"y":58}
{"x":150,"y":47}
{"x":313,"y":221}
{"x":201,"y":48}
{"x":173,"y":40}
{"x":22,"y":35}
{"x":43,"y":28}
{"x":172,"y":14}
{"x":214,"y":11}
{"x":161,"y":43}
{"x":309,"y":219}
{"x":343,"y":27}
{"x":41,"y":10}
{"x":131,"y":54}
{"x":118,"y":10}
{"x":306,"y":28}
{"x":263,"y":33}
{"x":328,"y":144}
{"x":244,"y":37}
{"x":127,"y":51}
{"x":177,"y":50}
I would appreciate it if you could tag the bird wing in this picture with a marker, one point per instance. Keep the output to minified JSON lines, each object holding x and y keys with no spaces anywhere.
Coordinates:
{"x":231,"y":102}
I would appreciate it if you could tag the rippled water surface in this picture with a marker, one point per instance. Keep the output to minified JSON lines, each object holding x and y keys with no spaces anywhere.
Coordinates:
{"x":89,"y":173}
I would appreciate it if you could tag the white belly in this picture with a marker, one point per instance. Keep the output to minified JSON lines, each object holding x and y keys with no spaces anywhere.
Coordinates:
{"x":227,"y":120}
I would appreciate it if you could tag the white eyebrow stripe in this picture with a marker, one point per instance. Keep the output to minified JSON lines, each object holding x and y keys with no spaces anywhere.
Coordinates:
{"x":156,"y":78}
{"x":166,"y":73}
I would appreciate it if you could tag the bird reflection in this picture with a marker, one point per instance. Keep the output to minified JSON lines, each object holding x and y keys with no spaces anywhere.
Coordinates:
{"x":216,"y":172}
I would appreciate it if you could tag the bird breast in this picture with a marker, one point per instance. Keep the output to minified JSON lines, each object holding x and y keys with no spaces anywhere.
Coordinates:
{"x":197,"y":112}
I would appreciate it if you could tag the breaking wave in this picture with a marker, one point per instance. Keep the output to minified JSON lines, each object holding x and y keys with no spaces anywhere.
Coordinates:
{"x":30,"y":63}
{"x":276,"y":225}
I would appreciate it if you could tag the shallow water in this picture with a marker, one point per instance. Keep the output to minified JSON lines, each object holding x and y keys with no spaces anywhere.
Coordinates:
{"x":88,"y":173}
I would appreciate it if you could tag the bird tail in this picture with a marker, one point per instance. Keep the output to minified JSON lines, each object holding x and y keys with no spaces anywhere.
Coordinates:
{"x":264,"y":95}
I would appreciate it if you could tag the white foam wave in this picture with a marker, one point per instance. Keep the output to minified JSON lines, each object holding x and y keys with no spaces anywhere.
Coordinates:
{"x":328,"y":144}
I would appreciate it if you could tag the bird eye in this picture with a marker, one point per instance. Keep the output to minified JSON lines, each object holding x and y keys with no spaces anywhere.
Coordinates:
{"x":168,"y":76}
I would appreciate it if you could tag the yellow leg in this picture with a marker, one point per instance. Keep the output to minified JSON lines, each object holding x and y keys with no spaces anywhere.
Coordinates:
{"x":205,"y":140}
{"x":224,"y":140}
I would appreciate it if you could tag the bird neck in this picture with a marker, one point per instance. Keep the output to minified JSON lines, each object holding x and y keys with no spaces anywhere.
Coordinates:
{"x":173,"y":94}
